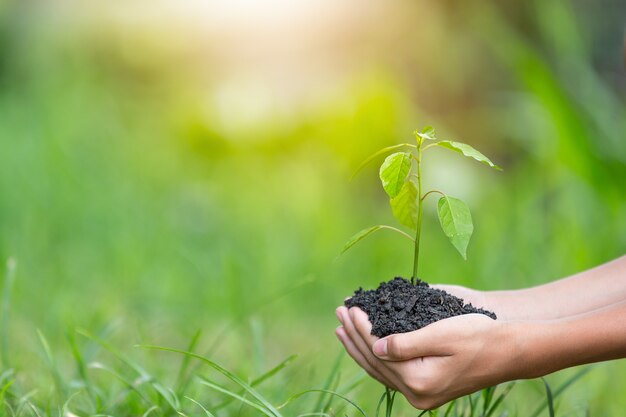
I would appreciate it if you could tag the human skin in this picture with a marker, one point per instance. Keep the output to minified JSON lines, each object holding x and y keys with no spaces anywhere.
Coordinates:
{"x":456,"y":356}
{"x":579,"y":293}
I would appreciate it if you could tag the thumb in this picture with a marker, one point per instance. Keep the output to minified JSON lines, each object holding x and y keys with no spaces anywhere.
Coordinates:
{"x":427,"y":341}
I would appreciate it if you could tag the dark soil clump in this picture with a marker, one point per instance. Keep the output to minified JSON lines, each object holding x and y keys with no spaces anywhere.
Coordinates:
{"x":398,"y":306}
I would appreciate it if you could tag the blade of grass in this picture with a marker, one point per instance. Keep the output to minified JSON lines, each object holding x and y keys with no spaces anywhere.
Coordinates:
{"x":24,"y":401}
{"x":300,"y":394}
{"x":82,"y":371}
{"x":54,"y":370}
{"x":487,"y":395}
{"x":380,"y":402}
{"x":35,"y":410}
{"x":391,"y":396}
{"x":7,"y":406}
{"x":570,"y":381}
{"x":182,"y":381}
{"x":347,"y":388}
{"x":450,"y":408}
{"x":223,"y":371}
{"x":7,"y":290}
{"x":117,"y":353}
{"x":243,"y":400}
{"x":470,"y":398}
{"x":500,"y":398}
{"x":92,"y":348}
{"x":561,"y":389}
{"x":126,"y":382}
{"x":150,"y":410}
{"x":66,"y":405}
{"x":329,"y":380}
{"x":5,"y":388}
{"x":144,"y":375}
{"x":333,"y":387}
{"x":273,"y":371}
{"x":207,"y":412}
{"x":260,"y":379}
{"x":549,"y":397}
{"x":169,"y":397}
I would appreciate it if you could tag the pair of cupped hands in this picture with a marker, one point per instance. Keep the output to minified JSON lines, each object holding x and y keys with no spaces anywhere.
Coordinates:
{"x":438,"y":363}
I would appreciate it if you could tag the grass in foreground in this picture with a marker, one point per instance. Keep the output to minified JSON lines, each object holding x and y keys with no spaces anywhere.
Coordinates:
{"x":107,"y":382}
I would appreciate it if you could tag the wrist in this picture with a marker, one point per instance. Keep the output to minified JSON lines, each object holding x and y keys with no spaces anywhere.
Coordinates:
{"x":499,"y":303}
{"x":526,"y":353}
{"x":539,"y":347}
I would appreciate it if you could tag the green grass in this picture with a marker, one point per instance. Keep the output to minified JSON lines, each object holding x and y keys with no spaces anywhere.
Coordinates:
{"x":107,"y":381}
{"x":135,"y":218}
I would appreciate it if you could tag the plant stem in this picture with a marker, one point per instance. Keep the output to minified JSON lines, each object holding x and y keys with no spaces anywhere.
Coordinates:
{"x":433,"y":191}
{"x":419,"y":211}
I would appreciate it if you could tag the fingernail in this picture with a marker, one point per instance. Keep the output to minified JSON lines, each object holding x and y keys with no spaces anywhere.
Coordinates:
{"x":380,"y":347}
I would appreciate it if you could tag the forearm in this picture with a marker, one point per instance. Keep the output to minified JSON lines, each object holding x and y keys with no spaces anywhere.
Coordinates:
{"x":580,"y":293}
{"x":543,"y":347}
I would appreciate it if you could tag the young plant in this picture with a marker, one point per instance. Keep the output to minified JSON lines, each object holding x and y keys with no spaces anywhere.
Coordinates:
{"x":401,"y":177}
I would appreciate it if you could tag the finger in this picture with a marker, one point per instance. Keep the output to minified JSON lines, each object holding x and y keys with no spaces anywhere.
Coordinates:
{"x":376,"y":345}
{"x":381,"y":366}
{"x":432,"y":340}
{"x":392,"y":371}
{"x":355,"y":354}
{"x":353,"y":333}
{"x":363,"y":326}
{"x":338,"y":314}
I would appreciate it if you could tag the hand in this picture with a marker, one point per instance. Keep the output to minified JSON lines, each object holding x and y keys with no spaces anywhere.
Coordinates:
{"x":433,"y":365}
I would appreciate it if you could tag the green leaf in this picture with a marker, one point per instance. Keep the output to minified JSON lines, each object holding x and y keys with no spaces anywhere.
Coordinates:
{"x":404,"y":205}
{"x":366,"y":232}
{"x":427,"y":133}
{"x":394,"y":172}
{"x":468,"y":151}
{"x":456,"y":222}
{"x":359,"y":236}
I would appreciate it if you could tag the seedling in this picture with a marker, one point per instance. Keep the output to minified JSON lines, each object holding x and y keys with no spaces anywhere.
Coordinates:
{"x":399,"y":306}
{"x":401,"y":177}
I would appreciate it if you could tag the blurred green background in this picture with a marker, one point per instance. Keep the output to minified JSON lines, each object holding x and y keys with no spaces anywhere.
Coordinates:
{"x":168,"y":166}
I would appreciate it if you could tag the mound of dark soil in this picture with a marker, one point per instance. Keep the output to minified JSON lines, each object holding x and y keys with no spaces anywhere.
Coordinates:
{"x":398,"y":306}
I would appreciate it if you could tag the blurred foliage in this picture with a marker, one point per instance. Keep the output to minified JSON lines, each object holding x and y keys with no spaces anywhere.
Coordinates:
{"x":149,"y":177}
